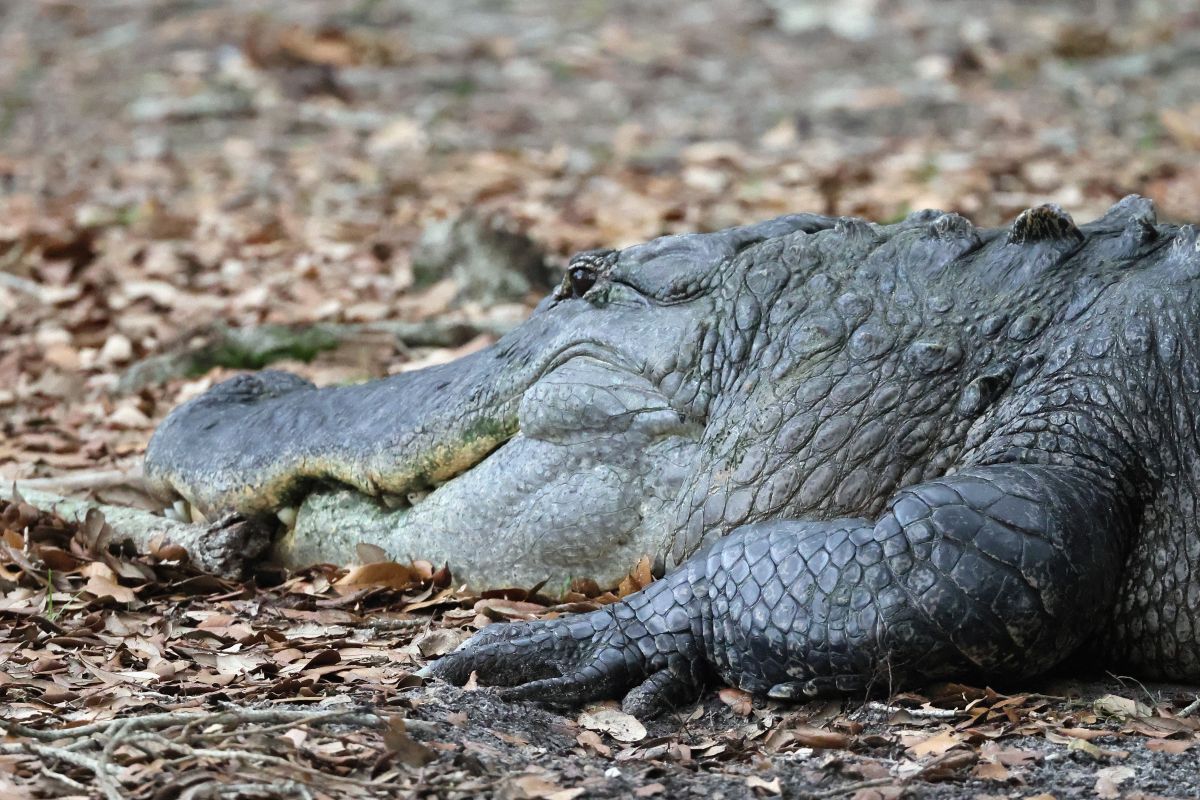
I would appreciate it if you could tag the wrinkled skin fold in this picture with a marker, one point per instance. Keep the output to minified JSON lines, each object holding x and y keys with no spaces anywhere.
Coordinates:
{"x":863,"y":455}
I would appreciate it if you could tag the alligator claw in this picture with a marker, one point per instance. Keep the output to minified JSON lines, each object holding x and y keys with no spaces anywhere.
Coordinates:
{"x":578,"y":659}
{"x":559,"y":660}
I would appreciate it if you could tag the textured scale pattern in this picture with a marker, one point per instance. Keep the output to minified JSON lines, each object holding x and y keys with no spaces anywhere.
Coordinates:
{"x":931,"y":451}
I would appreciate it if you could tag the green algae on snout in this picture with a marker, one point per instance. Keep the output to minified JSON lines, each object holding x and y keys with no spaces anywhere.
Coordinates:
{"x":445,"y":460}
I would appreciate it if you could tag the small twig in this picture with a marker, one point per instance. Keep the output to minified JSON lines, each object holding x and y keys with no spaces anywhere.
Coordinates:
{"x":1121,"y":679}
{"x":24,"y":286}
{"x":1051,"y":698}
{"x":86,"y":480}
{"x":919,"y":713}
{"x":114,"y":741}
{"x":1190,"y":708}
{"x":422,"y":726}
{"x":64,"y":780}
{"x":270,"y":789}
{"x":219,"y":736}
{"x":173,"y":718}
{"x":398,"y":624}
{"x":107,"y":785}
{"x":850,"y":788}
{"x":257,"y":758}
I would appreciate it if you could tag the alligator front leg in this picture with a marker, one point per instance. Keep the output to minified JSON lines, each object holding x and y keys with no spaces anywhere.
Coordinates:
{"x":647,"y":648}
{"x":996,"y":570}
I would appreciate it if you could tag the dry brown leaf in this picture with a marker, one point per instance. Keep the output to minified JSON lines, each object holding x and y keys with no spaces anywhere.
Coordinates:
{"x":440,"y":641}
{"x":1084,"y":733}
{"x":56,"y":558}
{"x":937,"y":744}
{"x":638,"y":578}
{"x":613,"y":721}
{"x":536,"y":787}
{"x":591,"y":740}
{"x":763,"y":786}
{"x":499,"y":609}
{"x":237,"y":663}
{"x":404,"y":748}
{"x":1173,"y":746}
{"x":741,"y":703}
{"x":1010,"y":757}
{"x":991,"y":771}
{"x":1158,"y":726}
{"x":1116,"y":707}
{"x":1084,"y":746}
{"x":103,"y":587}
{"x":1109,"y":780}
{"x":98,"y":569}
{"x":387,"y":574}
{"x":820,"y":739}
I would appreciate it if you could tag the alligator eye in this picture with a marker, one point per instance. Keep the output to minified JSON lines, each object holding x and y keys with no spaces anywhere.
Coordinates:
{"x":582,"y":279}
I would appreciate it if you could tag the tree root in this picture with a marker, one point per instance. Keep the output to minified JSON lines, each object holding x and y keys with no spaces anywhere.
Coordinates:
{"x":184,"y":734}
{"x":94,"y":480}
{"x":222,"y":548}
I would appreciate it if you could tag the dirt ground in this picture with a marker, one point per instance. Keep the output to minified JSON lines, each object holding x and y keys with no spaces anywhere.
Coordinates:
{"x":174,"y":171}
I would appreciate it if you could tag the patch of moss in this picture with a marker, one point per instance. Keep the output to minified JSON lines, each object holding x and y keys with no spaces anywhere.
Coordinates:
{"x":269,"y":343}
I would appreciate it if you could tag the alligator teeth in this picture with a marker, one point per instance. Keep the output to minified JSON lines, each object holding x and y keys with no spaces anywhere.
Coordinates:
{"x":180,"y":511}
{"x":287,"y":515}
{"x":394,"y":501}
{"x":197,"y":516}
{"x":416,"y":497}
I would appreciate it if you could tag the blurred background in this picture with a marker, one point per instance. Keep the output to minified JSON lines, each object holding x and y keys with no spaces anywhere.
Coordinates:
{"x":410,"y":176}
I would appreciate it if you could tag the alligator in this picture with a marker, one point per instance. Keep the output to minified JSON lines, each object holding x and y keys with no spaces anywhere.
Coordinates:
{"x":858,"y":454}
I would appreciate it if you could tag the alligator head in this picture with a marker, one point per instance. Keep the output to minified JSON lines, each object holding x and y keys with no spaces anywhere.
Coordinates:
{"x":556,"y":452}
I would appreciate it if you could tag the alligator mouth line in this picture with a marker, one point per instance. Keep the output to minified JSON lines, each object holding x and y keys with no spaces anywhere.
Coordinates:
{"x":454,"y":433}
{"x":463,"y":461}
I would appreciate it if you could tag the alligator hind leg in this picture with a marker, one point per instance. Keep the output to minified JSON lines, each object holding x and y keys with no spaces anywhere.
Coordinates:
{"x":999,"y":570}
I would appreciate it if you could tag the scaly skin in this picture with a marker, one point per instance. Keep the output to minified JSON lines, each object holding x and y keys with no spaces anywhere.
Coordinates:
{"x":897,"y":453}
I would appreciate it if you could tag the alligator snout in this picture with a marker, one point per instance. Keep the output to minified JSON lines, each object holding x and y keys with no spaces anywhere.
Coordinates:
{"x":257,"y":443}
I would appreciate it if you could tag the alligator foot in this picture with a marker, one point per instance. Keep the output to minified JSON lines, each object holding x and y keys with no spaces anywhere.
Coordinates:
{"x":628,"y":649}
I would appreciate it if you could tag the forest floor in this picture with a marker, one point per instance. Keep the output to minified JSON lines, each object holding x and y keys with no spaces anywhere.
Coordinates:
{"x":174,"y":171}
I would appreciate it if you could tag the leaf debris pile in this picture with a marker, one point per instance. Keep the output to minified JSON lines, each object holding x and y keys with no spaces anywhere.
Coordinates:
{"x":170,"y":167}
{"x":124,"y":674}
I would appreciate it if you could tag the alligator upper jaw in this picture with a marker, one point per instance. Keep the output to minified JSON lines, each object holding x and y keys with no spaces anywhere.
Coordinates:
{"x":455,"y":462}
{"x":258,"y":443}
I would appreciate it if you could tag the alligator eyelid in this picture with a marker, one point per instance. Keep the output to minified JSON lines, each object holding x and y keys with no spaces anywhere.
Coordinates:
{"x":650,"y":299}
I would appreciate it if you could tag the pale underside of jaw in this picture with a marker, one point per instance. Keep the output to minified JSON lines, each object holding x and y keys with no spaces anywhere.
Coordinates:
{"x":533,"y":512}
